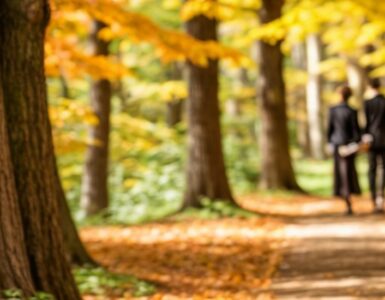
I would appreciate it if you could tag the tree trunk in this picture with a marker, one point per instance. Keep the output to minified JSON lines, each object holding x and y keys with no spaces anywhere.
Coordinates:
{"x":95,"y":178}
{"x":22,"y":31}
{"x":233,"y":107}
{"x":357,"y":79}
{"x":174,"y":108}
{"x":14,"y":265}
{"x":206,"y":173}
{"x":314,"y":97}
{"x":174,"y":112}
{"x":76,"y":252}
{"x":65,"y":91}
{"x":276,"y":169}
{"x":298,"y":57}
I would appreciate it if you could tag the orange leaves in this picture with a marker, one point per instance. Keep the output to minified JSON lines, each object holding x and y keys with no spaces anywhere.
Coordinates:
{"x":67,"y":32}
{"x":63,"y":57}
{"x":170,"y":44}
{"x":195,"y":259}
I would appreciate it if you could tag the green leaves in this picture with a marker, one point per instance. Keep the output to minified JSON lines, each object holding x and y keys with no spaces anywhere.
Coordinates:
{"x":98,"y":281}
{"x":14,"y":294}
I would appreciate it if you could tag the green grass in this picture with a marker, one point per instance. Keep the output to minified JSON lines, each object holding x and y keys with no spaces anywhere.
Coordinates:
{"x":212,"y":210}
{"x":316,"y":177}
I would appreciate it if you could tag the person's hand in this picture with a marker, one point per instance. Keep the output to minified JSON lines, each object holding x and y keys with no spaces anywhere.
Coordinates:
{"x":367,"y":139}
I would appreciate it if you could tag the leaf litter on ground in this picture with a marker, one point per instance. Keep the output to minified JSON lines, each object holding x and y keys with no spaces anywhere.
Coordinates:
{"x":230,"y":258}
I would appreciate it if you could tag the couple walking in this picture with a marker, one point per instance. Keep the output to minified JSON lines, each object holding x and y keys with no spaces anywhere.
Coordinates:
{"x":346,"y":136}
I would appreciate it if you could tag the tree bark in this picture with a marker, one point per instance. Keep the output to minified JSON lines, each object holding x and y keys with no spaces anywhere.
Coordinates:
{"x":357,"y":79}
{"x":174,"y":108}
{"x":276,"y":167}
{"x":65,"y":91}
{"x":314,"y":97}
{"x":95,"y":179}
{"x":22,"y":32}
{"x":298,"y":57}
{"x":76,"y":252}
{"x":14,"y":266}
{"x":206,"y":173}
{"x":174,"y":112}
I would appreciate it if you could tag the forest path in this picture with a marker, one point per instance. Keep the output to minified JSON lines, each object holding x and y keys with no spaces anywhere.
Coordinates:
{"x":327,"y":255}
{"x":306,"y":244}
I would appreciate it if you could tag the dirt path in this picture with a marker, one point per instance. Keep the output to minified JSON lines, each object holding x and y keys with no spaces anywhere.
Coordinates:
{"x":333,"y":258}
{"x":312,"y":249}
{"x":328,"y":255}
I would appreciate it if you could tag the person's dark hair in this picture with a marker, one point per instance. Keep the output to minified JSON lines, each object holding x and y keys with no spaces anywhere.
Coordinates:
{"x":346,"y":92}
{"x":375,"y":83}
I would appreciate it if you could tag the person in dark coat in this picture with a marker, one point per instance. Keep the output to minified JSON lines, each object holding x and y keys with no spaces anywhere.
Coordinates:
{"x":343,"y":129}
{"x":375,"y":126}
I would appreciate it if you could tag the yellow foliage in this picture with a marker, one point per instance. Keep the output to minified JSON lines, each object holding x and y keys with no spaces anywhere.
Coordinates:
{"x":171,"y":4}
{"x":209,"y":8}
{"x":170,"y":44}
{"x":295,"y":77}
{"x":218,"y":9}
{"x":63,"y":56}
{"x":334,"y":69}
{"x":69,"y":121}
{"x":375,"y":58}
{"x":162,"y":92}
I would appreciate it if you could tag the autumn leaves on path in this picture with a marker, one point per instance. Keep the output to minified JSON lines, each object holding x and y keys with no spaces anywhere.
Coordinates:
{"x":201,"y":259}
{"x":307,"y":251}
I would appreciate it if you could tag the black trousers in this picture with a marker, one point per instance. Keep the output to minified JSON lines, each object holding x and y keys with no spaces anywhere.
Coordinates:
{"x":376,"y":182}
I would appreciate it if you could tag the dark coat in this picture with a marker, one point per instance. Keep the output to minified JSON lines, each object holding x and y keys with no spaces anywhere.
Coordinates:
{"x":343,"y":125}
{"x":375,"y":121}
{"x":343,"y":129}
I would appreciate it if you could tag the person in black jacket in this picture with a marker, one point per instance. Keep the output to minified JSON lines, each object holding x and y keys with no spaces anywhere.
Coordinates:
{"x":343,"y":129}
{"x":375,"y":126}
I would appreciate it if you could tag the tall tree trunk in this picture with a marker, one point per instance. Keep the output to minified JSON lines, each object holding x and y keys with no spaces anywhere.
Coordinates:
{"x":357,"y":79}
{"x":277,"y":171}
{"x":174,"y":112}
{"x":174,"y":108}
{"x":233,"y":107}
{"x":314,"y":97}
{"x":298,"y":56}
{"x":22,"y":31}
{"x":206,"y":173}
{"x":75,"y":249}
{"x":76,"y":252}
{"x":14,"y":266}
{"x":65,"y":91}
{"x":95,"y":178}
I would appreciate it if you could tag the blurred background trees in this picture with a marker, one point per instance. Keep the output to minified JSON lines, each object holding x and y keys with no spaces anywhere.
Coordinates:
{"x":157,"y":107}
{"x":161,"y":105}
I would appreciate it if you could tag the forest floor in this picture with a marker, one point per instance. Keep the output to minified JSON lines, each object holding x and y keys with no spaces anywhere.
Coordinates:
{"x":305,"y":248}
